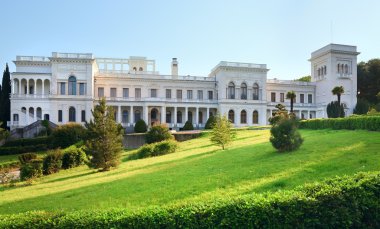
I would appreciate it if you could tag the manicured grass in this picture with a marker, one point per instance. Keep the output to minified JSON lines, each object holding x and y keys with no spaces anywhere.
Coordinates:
{"x":200,"y":170}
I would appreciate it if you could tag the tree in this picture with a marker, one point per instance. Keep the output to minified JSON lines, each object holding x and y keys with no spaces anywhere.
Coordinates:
{"x":104,"y":143}
{"x":338,"y":91}
{"x":158,"y":133}
{"x":304,"y":79}
{"x":335,"y":110}
{"x":222,"y":133}
{"x":292,"y":96}
{"x":188,"y":126}
{"x":5,"y":102}
{"x":3,"y":133}
{"x":362,"y":107}
{"x":369,"y":80}
{"x":210,"y":122}
{"x":140,"y":126}
{"x":280,"y":113}
{"x":285,"y":135}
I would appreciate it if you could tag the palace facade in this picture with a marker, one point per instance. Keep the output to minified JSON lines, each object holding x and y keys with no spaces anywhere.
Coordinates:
{"x":65,"y":87}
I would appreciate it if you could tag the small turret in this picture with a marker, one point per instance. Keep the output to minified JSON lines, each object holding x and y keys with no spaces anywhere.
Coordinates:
{"x":174,"y":67}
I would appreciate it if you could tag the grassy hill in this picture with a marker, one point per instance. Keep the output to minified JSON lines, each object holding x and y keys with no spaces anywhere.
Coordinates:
{"x":200,"y":170}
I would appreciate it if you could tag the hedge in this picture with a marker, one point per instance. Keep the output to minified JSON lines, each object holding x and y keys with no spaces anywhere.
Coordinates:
{"x":155,"y":149}
{"x":28,"y":142}
{"x":22,"y":149}
{"x":346,"y":202}
{"x":350,"y":123}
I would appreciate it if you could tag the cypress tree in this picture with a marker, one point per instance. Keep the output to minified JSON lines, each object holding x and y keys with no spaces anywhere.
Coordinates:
{"x":5,"y":103}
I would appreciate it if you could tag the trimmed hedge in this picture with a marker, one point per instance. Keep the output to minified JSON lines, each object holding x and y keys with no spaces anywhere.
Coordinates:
{"x":52,"y":162}
{"x":350,"y":123}
{"x":346,"y":202}
{"x":73,"y":156}
{"x":22,"y":149}
{"x":155,"y":149}
{"x":28,"y":142}
{"x":31,"y":170}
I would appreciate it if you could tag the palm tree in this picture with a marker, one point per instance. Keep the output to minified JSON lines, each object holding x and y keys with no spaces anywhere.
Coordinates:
{"x":338,"y":91}
{"x":292,"y":96}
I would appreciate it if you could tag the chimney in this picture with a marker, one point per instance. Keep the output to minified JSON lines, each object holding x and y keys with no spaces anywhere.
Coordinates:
{"x":174,"y":67}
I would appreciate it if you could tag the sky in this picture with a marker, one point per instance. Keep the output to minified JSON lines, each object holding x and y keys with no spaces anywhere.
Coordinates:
{"x":200,"y":33}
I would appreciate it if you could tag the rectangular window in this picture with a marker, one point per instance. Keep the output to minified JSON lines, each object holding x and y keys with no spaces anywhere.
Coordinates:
{"x":125,"y":92}
{"x":138,"y":93}
{"x":273,"y":97}
{"x":210,"y":95}
{"x":302,"y":98}
{"x":282,"y":97}
{"x":100,"y":91}
{"x":153,"y":93}
{"x":179,"y":94}
{"x":59,"y":115}
{"x":310,"y":98}
{"x":113,"y":92}
{"x":82,"y":88}
{"x":168,"y":93}
{"x":83,"y":116}
{"x":189,"y":94}
{"x":63,"y":89}
{"x":200,"y":95}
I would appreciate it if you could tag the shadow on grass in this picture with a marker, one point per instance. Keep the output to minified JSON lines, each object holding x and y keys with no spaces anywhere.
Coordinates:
{"x":71,"y":177}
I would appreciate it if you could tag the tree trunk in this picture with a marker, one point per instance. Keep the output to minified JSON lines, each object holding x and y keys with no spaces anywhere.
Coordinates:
{"x":291,"y":105}
{"x":338,"y":99}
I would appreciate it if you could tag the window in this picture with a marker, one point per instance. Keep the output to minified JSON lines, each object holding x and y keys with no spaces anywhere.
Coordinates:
{"x":168,"y":117}
{"x":138,"y":93}
{"x":243,"y":117}
{"x":273,"y":97}
{"x":255,"y":91}
{"x":310,"y":98}
{"x":189,"y":94}
{"x":243,"y":88}
{"x":113,"y":92}
{"x":179,"y":94}
{"x":153,"y":93}
{"x":137,"y":115}
{"x":71,"y":114}
{"x":125,"y":92}
{"x":200,"y":117}
{"x":255,"y":117}
{"x":179,"y":117}
{"x":210,"y":95}
{"x":63,"y":89}
{"x":100,"y":91}
{"x":59,"y":115}
{"x":83,"y":116}
{"x":302,"y":98}
{"x":190,"y":116}
{"x":141,"y":69}
{"x":82,"y":88}
{"x":200,"y":95}
{"x":124,"y":116}
{"x":72,"y":85}
{"x":231,"y":90}
{"x":282,"y":97}
{"x":231,"y":116}
{"x":168,"y":93}
{"x":15,"y":117}
{"x":134,"y":69}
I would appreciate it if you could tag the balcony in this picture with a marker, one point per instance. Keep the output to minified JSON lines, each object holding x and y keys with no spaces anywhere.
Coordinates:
{"x":73,"y":55}
{"x":32,"y":58}
{"x":159,"y":99}
{"x":344,"y":75}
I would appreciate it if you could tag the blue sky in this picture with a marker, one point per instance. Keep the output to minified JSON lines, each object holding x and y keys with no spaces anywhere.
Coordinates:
{"x":281,"y":34}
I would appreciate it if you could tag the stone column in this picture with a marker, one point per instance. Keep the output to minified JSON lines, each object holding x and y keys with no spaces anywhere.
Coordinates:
{"x":131,"y":115}
{"x":19,"y":87}
{"x":163,"y":114}
{"x":175,"y":115}
{"x":27,"y":87}
{"x":186,"y":114}
{"x":146,"y":118}
{"x":308,"y":114}
{"x":197,"y":116}
{"x":43,"y":88}
{"x":119,"y":114}
{"x":35,"y":88}
{"x":207,"y":114}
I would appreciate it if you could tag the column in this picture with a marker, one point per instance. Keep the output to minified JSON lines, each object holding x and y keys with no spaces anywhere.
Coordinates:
{"x":35,"y":88}
{"x":119,"y":114}
{"x":19,"y":87}
{"x":197,"y":116}
{"x":163,"y":114}
{"x":145,"y":112}
{"x":27,"y":87}
{"x":186,"y":114}
{"x":35,"y":114}
{"x":131,"y":115}
{"x":13,"y":87}
{"x":308,"y":114}
{"x":175,"y":115}
{"x":207,"y":114}
{"x":43,"y":88}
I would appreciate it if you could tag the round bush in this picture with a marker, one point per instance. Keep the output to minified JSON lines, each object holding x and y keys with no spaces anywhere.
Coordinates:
{"x":140,"y":126}
{"x":188,"y":126}
{"x":156,"y":149}
{"x":285,"y":136}
{"x":67,"y":135}
{"x":73,"y":157}
{"x":52,"y":162}
{"x":158,"y":133}
{"x":210,"y":122}
{"x":27,"y":157}
{"x":31,"y":170}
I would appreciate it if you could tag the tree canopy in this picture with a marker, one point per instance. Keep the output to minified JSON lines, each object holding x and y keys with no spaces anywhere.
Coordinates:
{"x":369,"y":80}
{"x":304,"y":79}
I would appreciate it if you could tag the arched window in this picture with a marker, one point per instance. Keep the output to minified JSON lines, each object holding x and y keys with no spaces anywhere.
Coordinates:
{"x":200,"y":117}
{"x":168,"y":117}
{"x":231,"y":116}
{"x":72,"y":85}
{"x":243,"y":117}
{"x":231,"y":90}
{"x":134,"y":69}
{"x":190,"y":116}
{"x":341,"y":68}
{"x":255,"y":91}
{"x":179,"y":117}
{"x":137,"y":115}
{"x":125,"y":116}
{"x":243,"y":91}
{"x":255,"y":117}
{"x":71,"y":114}
{"x":141,"y":69}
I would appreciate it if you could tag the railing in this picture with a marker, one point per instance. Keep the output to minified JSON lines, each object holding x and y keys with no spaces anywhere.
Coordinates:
{"x":292,"y":82}
{"x":119,"y":71}
{"x":32,"y":58}
{"x":143,"y":75}
{"x":243,"y":65}
{"x":287,"y":104}
{"x":30,"y":96}
{"x":344,"y":75}
{"x":73,"y":55}
{"x":158,"y":99}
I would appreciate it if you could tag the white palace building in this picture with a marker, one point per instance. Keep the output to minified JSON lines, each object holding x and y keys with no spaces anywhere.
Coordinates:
{"x":65,"y":87}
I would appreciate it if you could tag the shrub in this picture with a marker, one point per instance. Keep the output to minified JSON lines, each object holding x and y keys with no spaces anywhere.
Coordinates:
{"x":28,"y":142}
{"x":210,"y":122}
{"x":188,"y":126}
{"x":285,"y":136}
{"x":22,"y":149}
{"x":68,"y":134}
{"x":222,"y":133}
{"x":362,"y":107}
{"x":158,"y":133}
{"x":73,"y":157}
{"x":27,"y":157}
{"x":52,"y":162}
{"x":156,"y":149}
{"x":140,"y":126}
{"x":345,"y":202}
{"x":31,"y":170}
{"x":335,"y":110}
{"x":350,"y":123}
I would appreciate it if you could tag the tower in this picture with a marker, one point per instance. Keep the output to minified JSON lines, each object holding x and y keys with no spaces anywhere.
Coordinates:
{"x":331,"y":66}
{"x":174,"y":67}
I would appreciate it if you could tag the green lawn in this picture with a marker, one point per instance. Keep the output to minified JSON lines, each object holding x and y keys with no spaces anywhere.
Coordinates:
{"x":200,"y":170}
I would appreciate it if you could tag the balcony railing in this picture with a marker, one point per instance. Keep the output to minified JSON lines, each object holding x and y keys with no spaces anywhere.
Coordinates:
{"x":344,"y":75}
{"x":73,"y":55}
{"x":158,"y":99}
{"x":150,"y":75}
{"x":32,"y":58}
